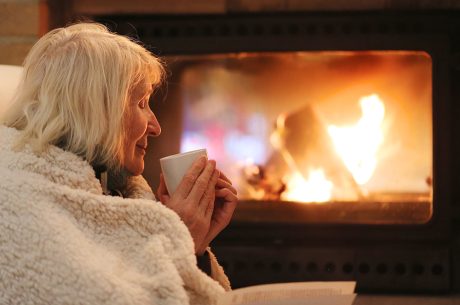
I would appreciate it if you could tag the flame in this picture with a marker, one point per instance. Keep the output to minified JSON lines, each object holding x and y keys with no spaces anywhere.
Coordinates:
{"x":314,"y":189}
{"x":358,"y":145}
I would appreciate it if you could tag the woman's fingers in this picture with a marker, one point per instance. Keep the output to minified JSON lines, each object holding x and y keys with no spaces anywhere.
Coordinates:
{"x":209,"y":195}
{"x":227,"y":194}
{"x":190,"y":178}
{"x":223,"y":211}
{"x":225,"y":178}
{"x":162,"y":192}
{"x":202,"y":183}
{"x":221,"y":184}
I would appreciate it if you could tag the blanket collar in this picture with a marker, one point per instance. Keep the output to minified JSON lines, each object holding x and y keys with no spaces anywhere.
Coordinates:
{"x":55,"y":164}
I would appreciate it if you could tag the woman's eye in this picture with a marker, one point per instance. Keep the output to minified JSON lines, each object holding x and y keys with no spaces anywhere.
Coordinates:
{"x":144,"y":102}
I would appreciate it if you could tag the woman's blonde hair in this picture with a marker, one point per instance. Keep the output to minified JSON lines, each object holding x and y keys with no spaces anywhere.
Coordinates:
{"x":76,"y":84}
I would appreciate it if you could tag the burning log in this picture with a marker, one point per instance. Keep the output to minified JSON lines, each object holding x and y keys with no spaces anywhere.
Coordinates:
{"x":304,"y":146}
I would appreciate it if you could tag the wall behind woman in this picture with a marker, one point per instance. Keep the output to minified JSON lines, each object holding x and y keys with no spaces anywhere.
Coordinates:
{"x":9,"y":80}
{"x":22,"y":22}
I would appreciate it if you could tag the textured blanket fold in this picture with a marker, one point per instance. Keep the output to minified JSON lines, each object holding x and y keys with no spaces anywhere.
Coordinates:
{"x":63,"y":242}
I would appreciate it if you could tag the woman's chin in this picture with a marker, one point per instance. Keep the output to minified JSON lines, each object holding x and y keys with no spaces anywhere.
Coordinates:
{"x":135,"y":169}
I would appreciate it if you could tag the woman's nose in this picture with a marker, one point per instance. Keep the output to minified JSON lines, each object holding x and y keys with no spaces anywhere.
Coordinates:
{"x":153,"y":128}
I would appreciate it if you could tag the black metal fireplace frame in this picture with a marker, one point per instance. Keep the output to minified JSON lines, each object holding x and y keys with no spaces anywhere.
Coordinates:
{"x":379,"y":257}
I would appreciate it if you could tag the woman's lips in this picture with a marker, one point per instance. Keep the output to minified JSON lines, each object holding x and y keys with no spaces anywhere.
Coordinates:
{"x":142,"y":148}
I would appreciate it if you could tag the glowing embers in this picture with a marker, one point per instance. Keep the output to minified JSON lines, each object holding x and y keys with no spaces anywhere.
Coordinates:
{"x":316,"y":188}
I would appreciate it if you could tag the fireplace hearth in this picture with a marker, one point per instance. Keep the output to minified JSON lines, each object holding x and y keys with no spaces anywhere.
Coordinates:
{"x":401,"y":239}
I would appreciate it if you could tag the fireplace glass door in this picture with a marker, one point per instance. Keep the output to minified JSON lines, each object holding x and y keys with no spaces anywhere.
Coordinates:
{"x":314,"y":137}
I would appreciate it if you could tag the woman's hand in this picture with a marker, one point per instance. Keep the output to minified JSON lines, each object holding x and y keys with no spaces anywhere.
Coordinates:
{"x":193,"y":200}
{"x":224,"y":206}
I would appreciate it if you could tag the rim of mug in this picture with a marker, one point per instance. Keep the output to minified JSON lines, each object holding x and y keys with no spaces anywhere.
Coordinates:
{"x":185,"y":154}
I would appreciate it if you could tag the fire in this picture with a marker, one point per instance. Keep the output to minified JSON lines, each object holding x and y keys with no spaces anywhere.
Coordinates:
{"x":358,"y":145}
{"x":314,"y":189}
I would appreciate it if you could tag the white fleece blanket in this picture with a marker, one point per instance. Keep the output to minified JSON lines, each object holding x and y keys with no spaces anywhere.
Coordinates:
{"x":63,"y":242}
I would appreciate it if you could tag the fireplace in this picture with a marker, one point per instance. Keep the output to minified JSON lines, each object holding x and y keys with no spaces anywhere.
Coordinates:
{"x":338,"y":130}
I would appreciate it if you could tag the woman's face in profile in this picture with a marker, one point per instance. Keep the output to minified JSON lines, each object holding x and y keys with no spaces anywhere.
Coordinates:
{"x":140,"y":122}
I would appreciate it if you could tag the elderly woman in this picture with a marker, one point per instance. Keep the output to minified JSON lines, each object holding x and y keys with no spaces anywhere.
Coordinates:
{"x":78,"y":223}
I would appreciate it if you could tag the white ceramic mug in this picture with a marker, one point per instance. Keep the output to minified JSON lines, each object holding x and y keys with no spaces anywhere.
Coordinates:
{"x":175,"y":166}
